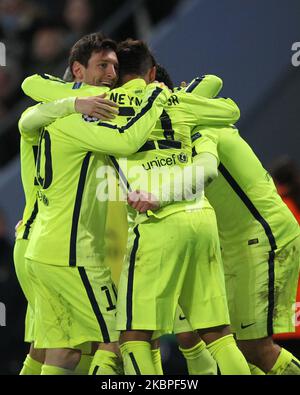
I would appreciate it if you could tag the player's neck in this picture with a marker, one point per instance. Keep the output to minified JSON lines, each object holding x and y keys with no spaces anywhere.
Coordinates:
{"x":130,"y":77}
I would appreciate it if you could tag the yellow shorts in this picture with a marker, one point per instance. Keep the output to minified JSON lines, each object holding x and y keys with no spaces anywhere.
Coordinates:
{"x":73,"y":305}
{"x":181,"y":324}
{"x":261,"y":287}
{"x":169,"y":261}
{"x":19,"y":260}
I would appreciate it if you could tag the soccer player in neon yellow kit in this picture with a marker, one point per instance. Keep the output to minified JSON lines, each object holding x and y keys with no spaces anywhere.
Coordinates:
{"x":260,"y":242}
{"x":83,"y":228}
{"x":260,"y":249}
{"x":167,"y":145}
{"x":199,"y":361}
{"x":155,"y":247}
{"x":38,"y":85}
{"x":90,"y":64}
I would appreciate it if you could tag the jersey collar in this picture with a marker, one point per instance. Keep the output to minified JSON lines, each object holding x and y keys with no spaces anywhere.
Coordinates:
{"x":137,"y":83}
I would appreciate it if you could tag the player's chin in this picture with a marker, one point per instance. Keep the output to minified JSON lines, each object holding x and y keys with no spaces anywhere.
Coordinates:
{"x":107,"y":84}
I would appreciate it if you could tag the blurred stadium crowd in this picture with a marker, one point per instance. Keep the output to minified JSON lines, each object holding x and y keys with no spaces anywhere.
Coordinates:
{"x":37,"y":36}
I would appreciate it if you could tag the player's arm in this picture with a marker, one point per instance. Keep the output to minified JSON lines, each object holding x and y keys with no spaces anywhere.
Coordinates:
{"x":203,"y":171}
{"x":45,"y":88}
{"x":189,"y":186}
{"x":205,"y":112}
{"x":207,"y":86}
{"x":182,"y":187}
{"x":205,"y":154}
{"x":112,"y":139}
{"x":43,"y":114}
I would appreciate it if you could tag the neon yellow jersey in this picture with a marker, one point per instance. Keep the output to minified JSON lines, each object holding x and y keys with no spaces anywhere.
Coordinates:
{"x":29,"y":146}
{"x":244,"y":195}
{"x":28,"y":154}
{"x":208,"y":86}
{"x":70,"y":226}
{"x":170,"y":143}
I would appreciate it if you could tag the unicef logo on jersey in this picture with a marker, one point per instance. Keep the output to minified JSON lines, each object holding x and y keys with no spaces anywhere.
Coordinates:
{"x":182,"y":157}
{"x":87,"y":118}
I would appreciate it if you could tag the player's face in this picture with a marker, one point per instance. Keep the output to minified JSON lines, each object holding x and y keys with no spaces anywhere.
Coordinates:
{"x":102,"y":69}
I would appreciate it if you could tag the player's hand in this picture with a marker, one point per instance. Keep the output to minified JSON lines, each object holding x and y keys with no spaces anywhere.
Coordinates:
{"x":97,"y":106}
{"x":183,"y":84}
{"x":142,"y":201}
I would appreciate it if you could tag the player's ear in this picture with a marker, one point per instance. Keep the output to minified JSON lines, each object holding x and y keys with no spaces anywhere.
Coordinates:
{"x":77,"y":69}
{"x":152,"y":74}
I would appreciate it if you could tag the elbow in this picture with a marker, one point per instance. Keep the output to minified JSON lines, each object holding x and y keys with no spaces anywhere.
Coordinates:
{"x":235,"y":113}
{"x":131,"y":148}
{"x":126,"y":151}
{"x":25,"y":85}
{"x":23,"y":125}
{"x":217,"y":81}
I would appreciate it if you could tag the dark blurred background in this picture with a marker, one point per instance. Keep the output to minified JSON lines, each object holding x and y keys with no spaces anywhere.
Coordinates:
{"x":247,"y":43}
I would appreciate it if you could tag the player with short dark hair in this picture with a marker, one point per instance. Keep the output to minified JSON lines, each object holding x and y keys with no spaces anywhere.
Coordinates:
{"x":225,"y":111}
{"x":67,"y":242}
{"x":161,"y":245}
{"x":98,"y":106}
{"x":85,"y":62}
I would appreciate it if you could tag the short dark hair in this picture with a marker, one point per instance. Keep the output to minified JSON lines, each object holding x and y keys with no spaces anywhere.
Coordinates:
{"x":163,"y":76}
{"x":83,"y":49}
{"x":134,"y":58}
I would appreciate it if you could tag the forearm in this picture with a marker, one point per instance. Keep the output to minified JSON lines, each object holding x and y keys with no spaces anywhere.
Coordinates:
{"x":189,"y":183}
{"x":127,"y":139}
{"x":44,"y":114}
{"x":43,"y":88}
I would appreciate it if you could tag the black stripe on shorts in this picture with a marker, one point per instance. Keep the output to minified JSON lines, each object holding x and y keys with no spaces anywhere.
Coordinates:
{"x":134,"y":363}
{"x":268,"y":231}
{"x":95,"y":370}
{"x":130,"y":278}
{"x":94,"y":304}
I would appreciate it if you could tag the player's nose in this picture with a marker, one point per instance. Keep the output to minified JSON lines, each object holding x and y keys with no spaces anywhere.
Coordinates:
{"x":111,"y":71}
